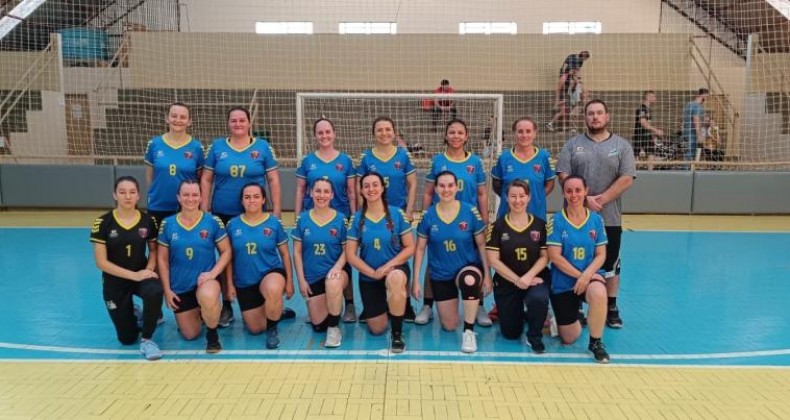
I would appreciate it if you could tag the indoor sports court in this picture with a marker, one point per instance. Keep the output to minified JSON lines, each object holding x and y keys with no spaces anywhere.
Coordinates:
{"x":84,"y":86}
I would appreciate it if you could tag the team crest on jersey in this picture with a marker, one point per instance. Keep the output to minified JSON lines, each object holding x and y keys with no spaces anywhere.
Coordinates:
{"x":593,"y":235}
{"x":397,"y":166}
{"x":333,"y":233}
{"x":470,"y":169}
{"x":463,"y":226}
{"x":203,"y":234}
{"x":534,"y":235}
{"x":188,"y":155}
{"x":339,"y":167}
{"x":255,"y":154}
{"x":113,"y":233}
{"x":143,"y":232}
{"x":537,"y":168}
{"x":267,"y":231}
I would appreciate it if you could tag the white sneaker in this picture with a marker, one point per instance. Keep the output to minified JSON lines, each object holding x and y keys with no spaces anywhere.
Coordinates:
{"x":469,"y":342}
{"x":333,"y":337}
{"x":425,"y":316}
{"x":350,"y":316}
{"x":482,"y":317}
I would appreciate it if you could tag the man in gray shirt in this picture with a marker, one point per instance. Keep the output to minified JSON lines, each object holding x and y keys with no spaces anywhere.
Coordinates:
{"x":606,"y":161}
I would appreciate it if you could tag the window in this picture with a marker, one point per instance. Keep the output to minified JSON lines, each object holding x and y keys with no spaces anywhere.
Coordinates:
{"x":487,"y":28}
{"x":571,"y":28}
{"x":283,"y":28}
{"x":367,"y":28}
{"x":783,"y":6}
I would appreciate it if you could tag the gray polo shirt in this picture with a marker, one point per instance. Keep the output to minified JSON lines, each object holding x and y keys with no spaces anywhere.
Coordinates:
{"x":600,"y":163}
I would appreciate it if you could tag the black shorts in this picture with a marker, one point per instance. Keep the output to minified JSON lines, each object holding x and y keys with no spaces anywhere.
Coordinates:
{"x":612,"y":264}
{"x":160,"y":215}
{"x":250,"y":297}
{"x":447,"y":289}
{"x":374,"y":294}
{"x":318,"y":288}
{"x":566,"y":306}
{"x":188,"y":301}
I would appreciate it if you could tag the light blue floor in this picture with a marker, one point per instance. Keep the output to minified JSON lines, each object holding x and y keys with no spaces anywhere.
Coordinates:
{"x":686,"y":298}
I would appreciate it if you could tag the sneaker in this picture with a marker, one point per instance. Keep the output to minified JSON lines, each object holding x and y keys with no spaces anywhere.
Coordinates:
{"x":550,"y":126}
{"x":150,"y":350}
{"x":138,"y":315}
{"x":226,"y":316}
{"x":469,"y":342}
{"x":493,"y":314}
{"x":537,"y":345}
{"x":482,"y":317}
{"x":272,"y":339}
{"x":425,"y":316}
{"x":409,"y":316}
{"x":333,"y":337}
{"x":599,"y":352}
{"x":350,"y":316}
{"x":582,"y":318}
{"x":613,"y":319}
{"x":288,"y":313}
{"x":396,"y":344}
{"x":212,"y":342}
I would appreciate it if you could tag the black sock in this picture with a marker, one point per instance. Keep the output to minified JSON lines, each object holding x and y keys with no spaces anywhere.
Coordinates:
{"x":211,"y":333}
{"x":427,"y":302}
{"x":271,"y":323}
{"x":226,"y":304}
{"x":468,"y":326}
{"x":333,"y":320}
{"x":396,"y":321}
{"x":612,"y":301}
{"x":594,"y":340}
{"x":349,"y":301}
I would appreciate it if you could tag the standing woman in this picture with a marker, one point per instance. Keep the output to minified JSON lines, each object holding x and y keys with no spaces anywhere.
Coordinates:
{"x":516,"y":250}
{"x":577,"y":250}
{"x":120,"y":239}
{"x":188,"y":265}
{"x":171,"y":158}
{"x":261,"y":270}
{"x":468,"y":169}
{"x":454,"y":234}
{"x":382,"y":236}
{"x":320,"y":261}
{"x":338,"y":168}
{"x":232,"y":163}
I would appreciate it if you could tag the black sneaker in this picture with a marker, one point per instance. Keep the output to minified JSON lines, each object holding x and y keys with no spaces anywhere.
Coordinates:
{"x":288,"y":313}
{"x":613,"y":319}
{"x":599,"y":352}
{"x":537,"y":345}
{"x":397,"y":345}
{"x":582,"y":318}
{"x":409,"y":315}
{"x":212,"y":342}
{"x":226,"y":316}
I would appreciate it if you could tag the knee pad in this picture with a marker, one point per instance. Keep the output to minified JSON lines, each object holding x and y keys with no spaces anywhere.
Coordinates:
{"x":321,"y":327}
{"x":469,"y":291}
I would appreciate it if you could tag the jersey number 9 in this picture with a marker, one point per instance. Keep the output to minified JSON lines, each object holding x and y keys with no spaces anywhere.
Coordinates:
{"x":190,"y":253}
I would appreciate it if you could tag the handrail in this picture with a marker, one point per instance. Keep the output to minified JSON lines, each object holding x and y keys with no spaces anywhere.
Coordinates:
{"x":38,"y":67}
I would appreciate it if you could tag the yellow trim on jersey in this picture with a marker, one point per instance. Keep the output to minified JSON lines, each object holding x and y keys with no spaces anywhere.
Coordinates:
{"x":579,"y":226}
{"x":530,"y":219}
{"x":515,"y":156}
{"x":254,"y":139}
{"x":250,"y":224}
{"x":466,"y":157}
{"x":129,"y":227}
{"x":455,"y":216}
{"x":394,"y":152}
{"x":334,"y":214}
{"x":327,"y":161}
{"x":188,"y":228}
{"x":171,"y":145}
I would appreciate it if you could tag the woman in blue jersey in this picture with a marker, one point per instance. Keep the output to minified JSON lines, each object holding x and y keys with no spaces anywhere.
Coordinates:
{"x":171,"y":158}
{"x":516,"y":250}
{"x":468,"y":169}
{"x":320,"y":261}
{"x":577,"y":250}
{"x":382,"y":236}
{"x":189,"y":267}
{"x":261,"y":269}
{"x":454,"y":234}
{"x":337,"y":167}
{"x":232,"y":163}
{"x":120,"y":240}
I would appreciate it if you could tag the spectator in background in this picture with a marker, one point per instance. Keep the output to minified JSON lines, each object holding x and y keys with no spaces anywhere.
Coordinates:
{"x":712,"y":146}
{"x":565,"y":91}
{"x":693,"y":114}
{"x":646,"y":134}
{"x":443,"y":106}
{"x":574,"y":62}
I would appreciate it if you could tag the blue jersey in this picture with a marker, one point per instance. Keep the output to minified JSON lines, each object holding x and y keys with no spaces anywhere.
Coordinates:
{"x":193,"y":249}
{"x":451,"y":243}
{"x":338,"y":171}
{"x":469,"y":172}
{"x":322,"y":244}
{"x":235,"y":168}
{"x":171,"y":165}
{"x":379,"y":241}
{"x":535,"y":170}
{"x":255,"y":248}
{"x":394,"y":169}
{"x":578,"y":245}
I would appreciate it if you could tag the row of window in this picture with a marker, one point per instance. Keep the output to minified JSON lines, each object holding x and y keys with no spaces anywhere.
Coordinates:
{"x":487,"y":28}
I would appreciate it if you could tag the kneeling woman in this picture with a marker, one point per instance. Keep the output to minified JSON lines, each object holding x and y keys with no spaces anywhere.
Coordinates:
{"x":454,"y":234}
{"x":188,"y":265}
{"x":577,"y":250}
{"x":516,"y":249}
{"x":120,"y":239}
{"x":259,"y":275}
{"x":385,"y":243}
{"x":319,"y":259}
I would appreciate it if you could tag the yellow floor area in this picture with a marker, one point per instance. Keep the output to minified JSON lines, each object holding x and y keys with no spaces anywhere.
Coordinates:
{"x":388,"y":390}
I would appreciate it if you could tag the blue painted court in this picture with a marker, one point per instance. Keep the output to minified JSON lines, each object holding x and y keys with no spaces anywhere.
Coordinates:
{"x":702,"y":298}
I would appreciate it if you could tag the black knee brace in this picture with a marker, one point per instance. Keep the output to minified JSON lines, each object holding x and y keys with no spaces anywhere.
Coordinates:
{"x":469,"y":292}
{"x":322,"y":327}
